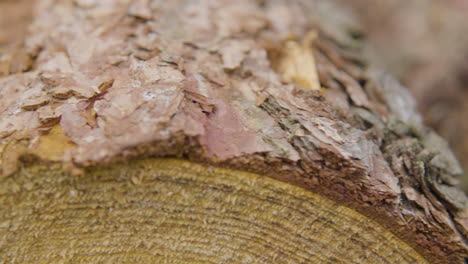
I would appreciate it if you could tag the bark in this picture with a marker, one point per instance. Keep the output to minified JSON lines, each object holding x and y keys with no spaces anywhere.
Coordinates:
{"x":231,"y":84}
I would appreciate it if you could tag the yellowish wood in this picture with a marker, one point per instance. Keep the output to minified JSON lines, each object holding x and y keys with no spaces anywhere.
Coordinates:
{"x":175,"y":211}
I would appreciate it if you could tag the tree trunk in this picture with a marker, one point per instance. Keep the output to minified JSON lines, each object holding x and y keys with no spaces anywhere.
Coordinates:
{"x":215,"y":132}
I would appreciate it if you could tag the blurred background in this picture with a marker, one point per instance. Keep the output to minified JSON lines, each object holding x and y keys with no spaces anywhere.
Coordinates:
{"x":424,"y":43}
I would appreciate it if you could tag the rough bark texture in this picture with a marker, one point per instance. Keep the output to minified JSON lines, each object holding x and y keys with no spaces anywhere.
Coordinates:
{"x":101,"y":81}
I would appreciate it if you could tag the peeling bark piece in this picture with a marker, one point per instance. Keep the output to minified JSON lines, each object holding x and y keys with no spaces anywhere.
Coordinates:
{"x":140,"y":9}
{"x":144,"y":54}
{"x":34,"y":103}
{"x":331,"y":52}
{"x":104,"y":87}
{"x":65,"y":91}
{"x":233,"y":53}
{"x":152,"y":71}
{"x":65,"y":86}
{"x":353,"y":88}
{"x":147,"y":40}
{"x":34,"y":97}
{"x":61,"y":92}
{"x":47,"y":114}
{"x":297,"y":64}
{"x":205,"y":103}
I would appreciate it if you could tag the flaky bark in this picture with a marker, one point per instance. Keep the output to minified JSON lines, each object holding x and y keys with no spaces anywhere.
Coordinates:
{"x":100,"y":82}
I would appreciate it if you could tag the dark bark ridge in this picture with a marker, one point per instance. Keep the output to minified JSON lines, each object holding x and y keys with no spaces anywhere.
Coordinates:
{"x":194,"y":79}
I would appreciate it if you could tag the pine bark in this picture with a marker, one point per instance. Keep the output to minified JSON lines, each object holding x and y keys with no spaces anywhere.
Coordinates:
{"x":278,"y":88}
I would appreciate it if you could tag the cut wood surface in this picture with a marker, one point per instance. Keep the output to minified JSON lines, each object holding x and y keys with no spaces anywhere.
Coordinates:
{"x":254,"y":98}
{"x":172,"y":211}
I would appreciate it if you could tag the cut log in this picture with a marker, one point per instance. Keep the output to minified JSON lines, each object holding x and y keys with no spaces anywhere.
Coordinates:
{"x":215,"y":132}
